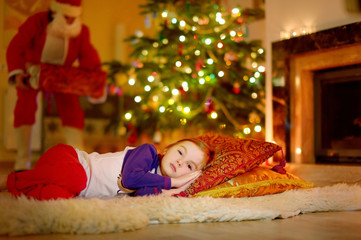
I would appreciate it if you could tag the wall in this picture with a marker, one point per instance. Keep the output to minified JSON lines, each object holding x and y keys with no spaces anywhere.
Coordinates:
{"x":289,"y":15}
{"x":103,"y":17}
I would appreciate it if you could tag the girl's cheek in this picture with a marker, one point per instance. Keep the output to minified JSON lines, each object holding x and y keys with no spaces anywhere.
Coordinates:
{"x":184,"y":171}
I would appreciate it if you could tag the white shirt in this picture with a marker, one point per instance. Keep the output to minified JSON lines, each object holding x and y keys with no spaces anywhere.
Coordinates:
{"x":102,"y":171}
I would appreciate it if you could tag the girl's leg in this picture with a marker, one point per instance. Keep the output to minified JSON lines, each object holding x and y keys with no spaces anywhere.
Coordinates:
{"x":57,"y":174}
{"x":48,"y":192}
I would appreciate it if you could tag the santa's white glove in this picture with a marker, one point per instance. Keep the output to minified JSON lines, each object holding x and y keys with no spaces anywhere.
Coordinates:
{"x":34,"y":72}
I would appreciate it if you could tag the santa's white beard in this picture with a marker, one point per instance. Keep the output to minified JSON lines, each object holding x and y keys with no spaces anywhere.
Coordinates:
{"x":59,"y":27}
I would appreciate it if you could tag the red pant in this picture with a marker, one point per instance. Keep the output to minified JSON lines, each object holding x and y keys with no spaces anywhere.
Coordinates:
{"x":57,"y":174}
{"x":69,"y":110}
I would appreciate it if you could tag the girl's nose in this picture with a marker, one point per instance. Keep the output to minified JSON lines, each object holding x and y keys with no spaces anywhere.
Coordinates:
{"x":180,"y":162}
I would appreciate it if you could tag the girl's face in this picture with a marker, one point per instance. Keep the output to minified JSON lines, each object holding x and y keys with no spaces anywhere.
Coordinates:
{"x":183,"y":158}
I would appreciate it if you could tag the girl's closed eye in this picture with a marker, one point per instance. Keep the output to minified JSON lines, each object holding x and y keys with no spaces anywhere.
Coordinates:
{"x":180,"y":152}
{"x":189,"y":166}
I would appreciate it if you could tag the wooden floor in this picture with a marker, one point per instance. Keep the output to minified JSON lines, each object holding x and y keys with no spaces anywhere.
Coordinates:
{"x":329,"y":225}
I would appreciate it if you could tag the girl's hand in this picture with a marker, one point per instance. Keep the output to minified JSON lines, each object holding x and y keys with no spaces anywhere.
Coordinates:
{"x":174,"y":191}
{"x":185,"y":179}
{"x":170,"y":192}
{"x":181,"y":183}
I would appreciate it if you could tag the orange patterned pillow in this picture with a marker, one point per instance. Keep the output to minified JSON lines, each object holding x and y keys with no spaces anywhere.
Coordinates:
{"x":257,"y":182}
{"x":232,"y":156}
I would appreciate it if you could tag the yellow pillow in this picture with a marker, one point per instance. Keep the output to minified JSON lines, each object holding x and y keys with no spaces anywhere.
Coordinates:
{"x":257,"y":182}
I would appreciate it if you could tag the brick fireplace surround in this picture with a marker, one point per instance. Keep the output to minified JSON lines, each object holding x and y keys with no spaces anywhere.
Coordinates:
{"x":293,"y":64}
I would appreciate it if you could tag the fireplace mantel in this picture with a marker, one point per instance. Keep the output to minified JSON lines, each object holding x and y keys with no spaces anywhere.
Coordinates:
{"x":293,"y":63}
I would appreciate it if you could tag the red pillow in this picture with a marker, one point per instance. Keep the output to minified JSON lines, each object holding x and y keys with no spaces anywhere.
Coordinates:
{"x":232,"y":156}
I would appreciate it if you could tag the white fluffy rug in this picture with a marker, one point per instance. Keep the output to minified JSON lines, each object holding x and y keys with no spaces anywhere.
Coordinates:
{"x":23,"y":216}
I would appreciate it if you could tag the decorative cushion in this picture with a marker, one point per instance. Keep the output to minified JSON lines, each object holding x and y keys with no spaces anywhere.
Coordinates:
{"x":232,"y":156}
{"x":257,"y":182}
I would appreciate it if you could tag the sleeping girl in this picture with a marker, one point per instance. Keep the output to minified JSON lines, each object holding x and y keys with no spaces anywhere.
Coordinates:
{"x":67,"y":172}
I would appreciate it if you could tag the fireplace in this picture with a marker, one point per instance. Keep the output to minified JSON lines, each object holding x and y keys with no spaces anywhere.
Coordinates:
{"x":337,"y":111}
{"x":300,"y":67}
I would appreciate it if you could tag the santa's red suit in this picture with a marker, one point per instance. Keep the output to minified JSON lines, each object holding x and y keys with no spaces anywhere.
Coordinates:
{"x":27,"y":47}
{"x":38,"y":41}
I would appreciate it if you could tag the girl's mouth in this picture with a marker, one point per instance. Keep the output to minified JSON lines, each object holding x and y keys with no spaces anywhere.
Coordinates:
{"x":173,"y":167}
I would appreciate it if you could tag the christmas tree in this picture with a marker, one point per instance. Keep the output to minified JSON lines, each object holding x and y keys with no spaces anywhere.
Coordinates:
{"x":197,"y":72}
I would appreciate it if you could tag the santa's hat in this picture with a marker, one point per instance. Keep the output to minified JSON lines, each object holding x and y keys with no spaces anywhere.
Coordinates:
{"x":71,"y":8}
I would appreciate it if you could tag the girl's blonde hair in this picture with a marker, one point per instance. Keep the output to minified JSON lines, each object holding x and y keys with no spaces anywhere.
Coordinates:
{"x":202,"y":145}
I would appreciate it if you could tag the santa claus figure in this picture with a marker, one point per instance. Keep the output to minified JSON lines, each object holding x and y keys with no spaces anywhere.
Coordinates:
{"x":55,"y":37}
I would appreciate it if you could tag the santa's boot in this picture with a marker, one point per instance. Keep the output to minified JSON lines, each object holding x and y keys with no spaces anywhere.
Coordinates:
{"x":23,"y":140}
{"x":74,"y":137}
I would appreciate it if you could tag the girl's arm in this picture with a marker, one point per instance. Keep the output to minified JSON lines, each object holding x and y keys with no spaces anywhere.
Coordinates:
{"x":170,"y":192}
{"x":136,"y":171}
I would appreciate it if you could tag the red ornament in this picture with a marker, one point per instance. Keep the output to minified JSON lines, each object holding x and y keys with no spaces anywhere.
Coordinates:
{"x":112,"y":89}
{"x":199,"y":64}
{"x":181,"y":90}
{"x":209,"y":106}
{"x":120,"y":92}
{"x":239,"y":21}
{"x":230,"y":56}
{"x":132,"y":139}
{"x":236,"y":88}
{"x":180,"y":49}
{"x":238,"y":38}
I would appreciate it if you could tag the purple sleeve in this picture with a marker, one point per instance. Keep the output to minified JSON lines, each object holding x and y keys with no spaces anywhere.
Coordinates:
{"x":147,"y":191}
{"x":136,"y":174}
